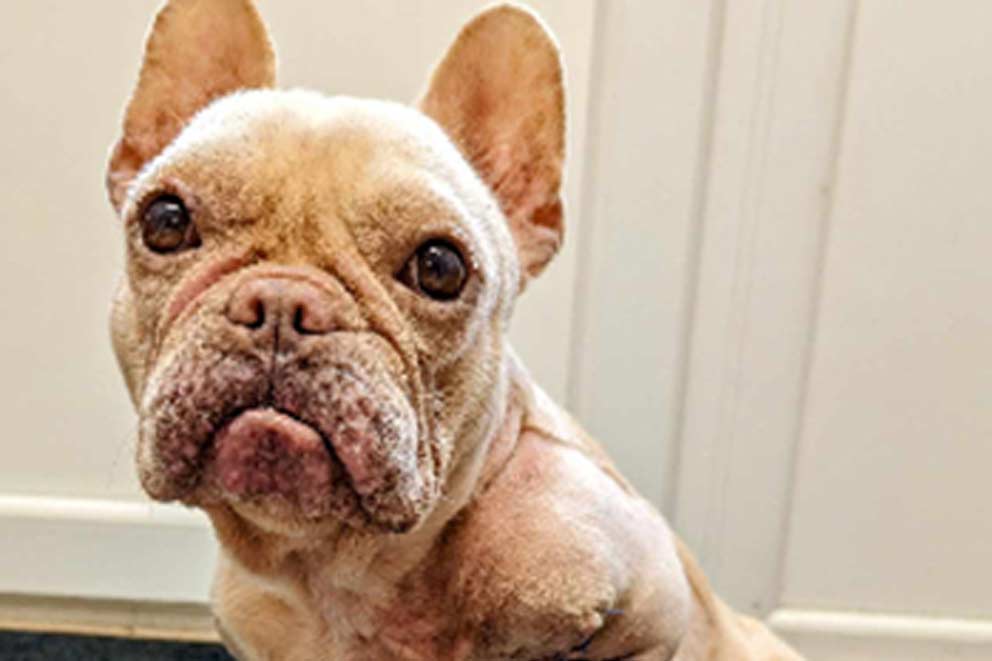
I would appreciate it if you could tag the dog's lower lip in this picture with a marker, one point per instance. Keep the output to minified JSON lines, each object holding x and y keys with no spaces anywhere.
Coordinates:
{"x":265,"y":452}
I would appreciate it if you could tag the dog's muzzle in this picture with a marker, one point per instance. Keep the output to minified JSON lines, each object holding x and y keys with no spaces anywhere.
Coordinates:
{"x":286,"y":403}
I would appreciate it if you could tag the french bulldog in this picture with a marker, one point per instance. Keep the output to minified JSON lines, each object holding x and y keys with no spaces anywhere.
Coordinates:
{"x":313,"y":330}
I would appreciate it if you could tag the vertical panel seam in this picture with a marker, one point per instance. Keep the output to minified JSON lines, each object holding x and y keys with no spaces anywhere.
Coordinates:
{"x":813,"y":314}
{"x":590,"y":219}
{"x":694,"y":247}
{"x":761,"y":118}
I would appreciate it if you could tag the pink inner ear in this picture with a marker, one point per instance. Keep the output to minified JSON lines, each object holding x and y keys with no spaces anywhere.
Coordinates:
{"x":526,"y":182}
{"x":197,"y":51}
{"x":499,"y":95}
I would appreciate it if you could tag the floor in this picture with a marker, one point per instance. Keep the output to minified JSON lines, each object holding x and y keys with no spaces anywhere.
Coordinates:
{"x":16,"y":646}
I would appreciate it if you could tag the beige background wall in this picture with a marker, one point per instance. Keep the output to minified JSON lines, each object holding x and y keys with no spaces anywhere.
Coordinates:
{"x":772,"y":307}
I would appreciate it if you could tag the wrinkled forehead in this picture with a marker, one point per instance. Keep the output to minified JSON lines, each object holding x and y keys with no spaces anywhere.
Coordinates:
{"x":304,"y":153}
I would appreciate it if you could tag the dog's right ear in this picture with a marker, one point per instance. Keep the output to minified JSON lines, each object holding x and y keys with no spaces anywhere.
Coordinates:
{"x":499,"y":94}
{"x":197,"y":51}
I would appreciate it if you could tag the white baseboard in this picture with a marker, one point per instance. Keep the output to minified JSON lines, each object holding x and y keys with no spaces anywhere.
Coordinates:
{"x":100,"y":617}
{"x":854,"y":636}
{"x":104,"y":549}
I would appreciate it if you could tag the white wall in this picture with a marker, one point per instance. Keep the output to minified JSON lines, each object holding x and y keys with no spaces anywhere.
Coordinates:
{"x":771,"y":306}
{"x":836,"y":420}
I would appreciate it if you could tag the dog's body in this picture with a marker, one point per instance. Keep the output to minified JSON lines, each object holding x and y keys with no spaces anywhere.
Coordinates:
{"x":555,"y":558}
{"x":313,"y":329}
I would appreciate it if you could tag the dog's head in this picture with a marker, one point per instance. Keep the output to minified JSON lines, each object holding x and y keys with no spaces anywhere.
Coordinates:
{"x":313,"y":317}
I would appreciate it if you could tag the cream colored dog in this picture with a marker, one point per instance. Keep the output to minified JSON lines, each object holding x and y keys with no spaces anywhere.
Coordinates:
{"x":313,"y":331}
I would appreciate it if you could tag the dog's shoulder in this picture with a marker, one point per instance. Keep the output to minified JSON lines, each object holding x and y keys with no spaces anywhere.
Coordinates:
{"x":559,"y":552}
{"x":530,"y":571}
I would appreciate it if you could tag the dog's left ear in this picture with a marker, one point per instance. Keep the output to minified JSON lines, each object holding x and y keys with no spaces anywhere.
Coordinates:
{"x":499,"y":95}
{"x":197,"y":51}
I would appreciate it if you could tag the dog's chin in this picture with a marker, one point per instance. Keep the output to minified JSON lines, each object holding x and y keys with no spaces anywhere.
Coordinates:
{"x":283,"y":476}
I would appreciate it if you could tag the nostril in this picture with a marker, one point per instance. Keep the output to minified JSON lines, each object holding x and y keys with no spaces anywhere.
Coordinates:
{"x":311,"y":319}
{"x":249,"y":305}
{"x":298,"y":321}
{"x":257,"y":318}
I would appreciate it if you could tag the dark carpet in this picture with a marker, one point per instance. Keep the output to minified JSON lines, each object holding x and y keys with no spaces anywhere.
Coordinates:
{"x":16,"y":646}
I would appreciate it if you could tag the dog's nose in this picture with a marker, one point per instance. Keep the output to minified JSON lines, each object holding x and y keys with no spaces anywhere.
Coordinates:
{"x":295,"y":306}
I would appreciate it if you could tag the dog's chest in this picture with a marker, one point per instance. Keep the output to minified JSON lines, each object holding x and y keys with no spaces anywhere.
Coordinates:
{"x":429,"y":620}
{"x":418,"y":624}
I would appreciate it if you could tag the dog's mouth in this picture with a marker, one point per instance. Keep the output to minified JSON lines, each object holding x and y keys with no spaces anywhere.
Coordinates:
{"x":264,"y":453}
{"x":304,"y":441}
{"x":270,"y":457}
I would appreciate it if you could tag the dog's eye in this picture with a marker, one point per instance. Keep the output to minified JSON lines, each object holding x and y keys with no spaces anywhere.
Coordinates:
{"x":166,"y":226}
{"x":437,"y":270}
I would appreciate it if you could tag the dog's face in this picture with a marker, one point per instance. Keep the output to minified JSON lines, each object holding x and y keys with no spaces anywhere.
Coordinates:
{"x":312,"y":321}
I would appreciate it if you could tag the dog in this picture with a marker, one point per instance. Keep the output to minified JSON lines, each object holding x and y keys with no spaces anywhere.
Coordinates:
{"x":312,"y":328}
